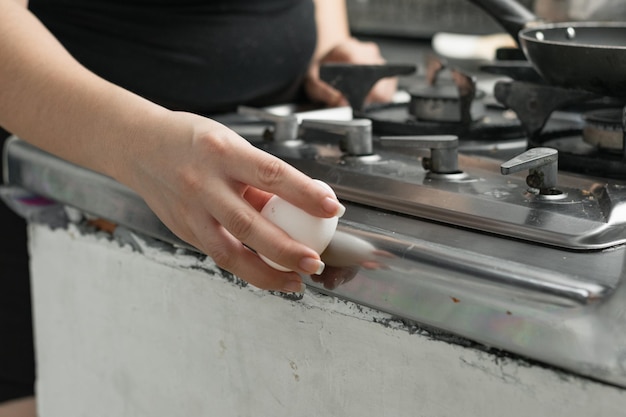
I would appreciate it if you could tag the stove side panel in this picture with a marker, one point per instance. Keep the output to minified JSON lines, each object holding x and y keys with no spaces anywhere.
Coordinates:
{"x":159,"y":333}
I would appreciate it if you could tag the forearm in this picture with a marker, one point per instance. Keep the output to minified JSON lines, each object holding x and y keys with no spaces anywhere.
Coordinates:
{"x":205,"y":182}
{"x":52,"y":101}
{"x":335,"y":44}
{"x":332,"y":25}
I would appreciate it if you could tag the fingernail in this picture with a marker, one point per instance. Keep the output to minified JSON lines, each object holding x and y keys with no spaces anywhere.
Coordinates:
{"x":333,"y":207}
{"x":312,"y":266}
{"x":294,"y":287}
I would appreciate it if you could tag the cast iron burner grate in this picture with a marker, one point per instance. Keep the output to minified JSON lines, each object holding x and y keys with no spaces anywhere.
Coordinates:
{"x":395,"y":119}
{"x":591,"y":150}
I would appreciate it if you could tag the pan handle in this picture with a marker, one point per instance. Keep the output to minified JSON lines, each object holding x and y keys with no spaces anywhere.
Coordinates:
{"x":510,"y":14}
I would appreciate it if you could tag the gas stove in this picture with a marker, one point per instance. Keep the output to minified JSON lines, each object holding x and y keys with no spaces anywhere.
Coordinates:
{"x":468,"y":224}
{"x":509,"y":202}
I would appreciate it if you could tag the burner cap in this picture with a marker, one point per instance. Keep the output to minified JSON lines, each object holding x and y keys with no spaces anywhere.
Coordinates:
{"x":603,"y":128}
{"x":443,"y":103}
{"x":441,"y":92}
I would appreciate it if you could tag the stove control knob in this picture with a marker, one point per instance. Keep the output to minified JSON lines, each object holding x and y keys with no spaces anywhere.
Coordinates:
{"x":356,"y":134}
{"x":285,"y":126}
{"x":543,"y":166}
{"x":443,"y":150}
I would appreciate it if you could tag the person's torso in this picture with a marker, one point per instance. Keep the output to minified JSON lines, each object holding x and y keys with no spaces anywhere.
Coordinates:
{"x":197,"y":55}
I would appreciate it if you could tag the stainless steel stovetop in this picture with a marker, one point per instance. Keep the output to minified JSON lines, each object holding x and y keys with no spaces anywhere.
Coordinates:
{"x":470,"y":251}
{"x":491,"y":243}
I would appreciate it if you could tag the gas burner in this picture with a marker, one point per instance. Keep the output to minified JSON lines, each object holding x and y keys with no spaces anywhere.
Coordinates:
{"x":398,"y":119}
{"x":578,"y":156}
{"x":597,"y":149}
{"x":604,"y":129}
{"x":446,"y":101}
{"x":456,"y":101}
{"x":442,"y":103}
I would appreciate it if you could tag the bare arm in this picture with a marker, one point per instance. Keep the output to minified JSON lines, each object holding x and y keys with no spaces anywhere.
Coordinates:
{"x":335,"y":44}
{"x":204,"y":181}
{"x":55,"y":103}
{"x":331,"y":17}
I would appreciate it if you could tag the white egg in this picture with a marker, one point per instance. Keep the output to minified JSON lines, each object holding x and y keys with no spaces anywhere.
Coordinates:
{"x":314,"y":232}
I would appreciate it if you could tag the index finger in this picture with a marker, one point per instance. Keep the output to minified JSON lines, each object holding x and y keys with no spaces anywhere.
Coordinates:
{"x":271,"y":174}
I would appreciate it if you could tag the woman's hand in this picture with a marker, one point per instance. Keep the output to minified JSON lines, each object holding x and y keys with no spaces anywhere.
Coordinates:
{"x":204,"y":181}
{"x":352,"y":51}
{"x":208,"y":186}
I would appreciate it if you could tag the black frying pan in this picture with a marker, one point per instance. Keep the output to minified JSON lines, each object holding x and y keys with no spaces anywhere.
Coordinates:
{"x":582,"y":55}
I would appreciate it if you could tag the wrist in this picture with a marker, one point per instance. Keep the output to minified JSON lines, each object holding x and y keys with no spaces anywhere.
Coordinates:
{"x":140,"y":140}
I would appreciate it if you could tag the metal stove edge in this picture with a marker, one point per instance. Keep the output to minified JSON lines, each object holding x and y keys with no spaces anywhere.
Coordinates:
{"x":465,"y":283}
